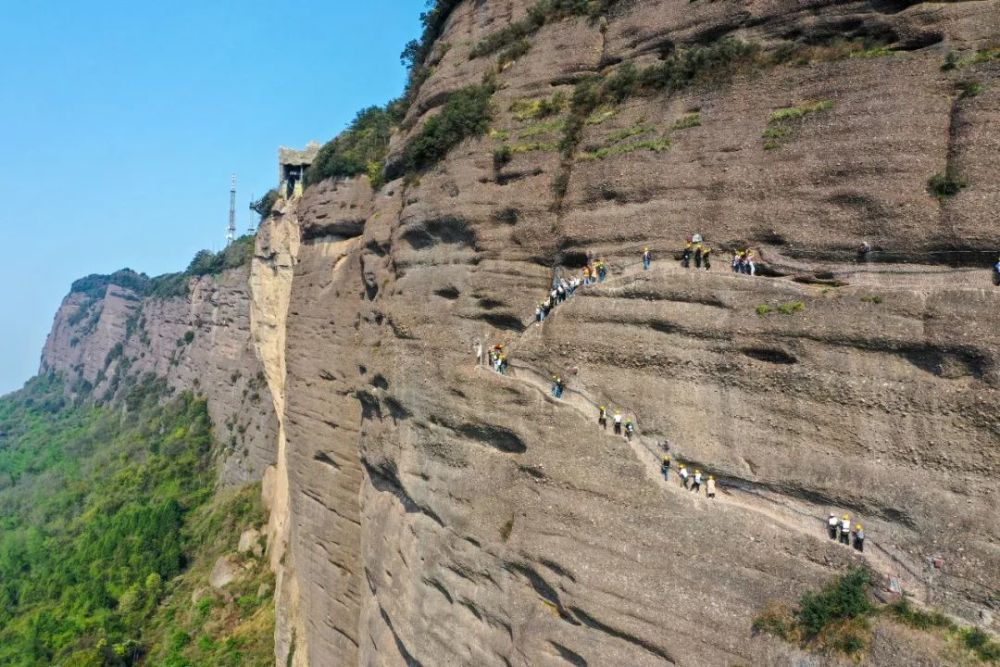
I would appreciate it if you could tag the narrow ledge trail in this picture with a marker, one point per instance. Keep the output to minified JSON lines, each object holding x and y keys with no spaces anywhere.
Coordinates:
{"x":795,"y":515}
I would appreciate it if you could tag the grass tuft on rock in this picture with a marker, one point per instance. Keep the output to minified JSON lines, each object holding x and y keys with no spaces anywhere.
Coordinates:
{"x":947,"y":184}
{"x":833,"y":619}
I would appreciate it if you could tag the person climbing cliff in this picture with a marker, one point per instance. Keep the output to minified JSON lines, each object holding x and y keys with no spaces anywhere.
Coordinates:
{"x":683,"y":473}
{"x":831,"y":526}
{"x":845,"y":530}
{"x":697,"y":256}
{"x":665,"y":468}
{"x":602,"y":271}
{"x":710,"y":487}
{"x":618,"y":423}
{"x":647,"y":258}
{"x":696,"y":481}
{"x":996,"y":273}
{"x":706,"y":258}
{"x":629,"y":429}
{"x":602,"y":417}
{"x":686,"y":255}
{"x":859,"y":538}
{"x":557,"y":386}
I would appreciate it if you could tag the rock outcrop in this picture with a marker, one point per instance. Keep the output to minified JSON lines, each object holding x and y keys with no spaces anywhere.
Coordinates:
{"x":112,"y":336}
{"x":438,"y":513}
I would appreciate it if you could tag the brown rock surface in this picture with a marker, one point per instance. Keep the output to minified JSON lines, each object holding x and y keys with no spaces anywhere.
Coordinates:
{"x":425,"y":511}
{"x":440,"y":514}
{"x":202,"y":343}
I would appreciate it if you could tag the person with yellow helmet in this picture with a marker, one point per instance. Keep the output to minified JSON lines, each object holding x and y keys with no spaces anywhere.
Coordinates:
{"x":859,"y":537}
{"x":646,"y":258}
{"x":682,"y":472}
{"x":706,"y":258}
{"x":618,"y":422}
{"x":845,"y":529}
{"x":710,"y":487}
{"x":665,"y":467}
{"x":602,"y":417}
{"x":686,"y":255}
{"x":696,"y":481}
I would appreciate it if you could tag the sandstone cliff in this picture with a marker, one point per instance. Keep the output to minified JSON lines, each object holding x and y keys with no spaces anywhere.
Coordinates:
{"x":441,"y":514}
{"x":112,"y":335}
{"x":425,"y":511}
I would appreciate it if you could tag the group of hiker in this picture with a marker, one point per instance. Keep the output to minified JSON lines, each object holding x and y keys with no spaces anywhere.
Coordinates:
{"x":621,"y":425}
{"x":840,"y":530}
{"x":595,"y":272}
{"x":562,"y":289}
{"x":496,"y":357}
{"x":688,"y":481}
{"x":743,"y":262}
{"x":697,"y":251}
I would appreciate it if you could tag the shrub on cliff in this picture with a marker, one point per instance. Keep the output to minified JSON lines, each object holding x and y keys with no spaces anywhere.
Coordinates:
{"x":95,"y":284}
{"x":542,"y":12}
{"x":833,"y":618}
{"x":349,"y":154}
{"x":467,"y":113}
{"x":265,"y":204}
{"x":417,"y":51}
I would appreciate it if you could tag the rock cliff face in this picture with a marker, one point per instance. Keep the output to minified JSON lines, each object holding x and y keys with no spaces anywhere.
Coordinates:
{"x":437,"y":513}
{"x":426,"y":511}
{"x":104,"y":339}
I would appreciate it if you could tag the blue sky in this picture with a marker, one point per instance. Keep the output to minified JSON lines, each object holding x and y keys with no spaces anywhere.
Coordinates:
{"x":121,"y":122}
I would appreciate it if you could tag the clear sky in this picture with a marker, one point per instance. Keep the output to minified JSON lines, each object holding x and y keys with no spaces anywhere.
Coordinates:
{"x":121,"y":122}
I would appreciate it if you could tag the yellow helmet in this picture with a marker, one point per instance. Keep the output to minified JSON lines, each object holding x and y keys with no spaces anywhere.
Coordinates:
{"x":857,"y":527}
{"x":697,"y":472}
{"x":602,"y":407}
{"x":646,"y":249}
{"x":711,"y":478}
{"x":683,"y":466}
{"x":666,"y":458}
{"x":847,"y":517}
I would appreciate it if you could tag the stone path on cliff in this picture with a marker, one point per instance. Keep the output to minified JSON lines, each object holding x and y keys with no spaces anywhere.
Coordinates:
{"x":793,"y":514}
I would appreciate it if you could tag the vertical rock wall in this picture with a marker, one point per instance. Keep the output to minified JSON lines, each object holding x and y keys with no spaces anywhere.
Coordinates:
{"x":441,"y":514}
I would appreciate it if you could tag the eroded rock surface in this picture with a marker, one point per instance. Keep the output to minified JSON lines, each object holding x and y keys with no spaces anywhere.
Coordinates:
{"x":201,"y":342}
{"x":441,"y":514}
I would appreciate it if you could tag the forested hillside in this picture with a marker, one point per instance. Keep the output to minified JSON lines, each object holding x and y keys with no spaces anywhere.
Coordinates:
{"x":109,"y":522}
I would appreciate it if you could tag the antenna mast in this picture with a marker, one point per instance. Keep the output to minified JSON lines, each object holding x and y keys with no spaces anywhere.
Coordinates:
{"x":231,"y":234}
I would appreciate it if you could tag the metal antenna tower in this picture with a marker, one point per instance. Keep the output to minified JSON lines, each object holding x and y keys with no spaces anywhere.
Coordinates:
{"x":231,"y":234}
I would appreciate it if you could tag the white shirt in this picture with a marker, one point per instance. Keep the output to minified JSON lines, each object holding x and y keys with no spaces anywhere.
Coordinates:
{"x":618,"y":419}
{"x":845,"y":526}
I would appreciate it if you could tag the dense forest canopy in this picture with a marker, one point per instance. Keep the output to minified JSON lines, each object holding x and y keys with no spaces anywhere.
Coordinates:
{"x":97,"y":513}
